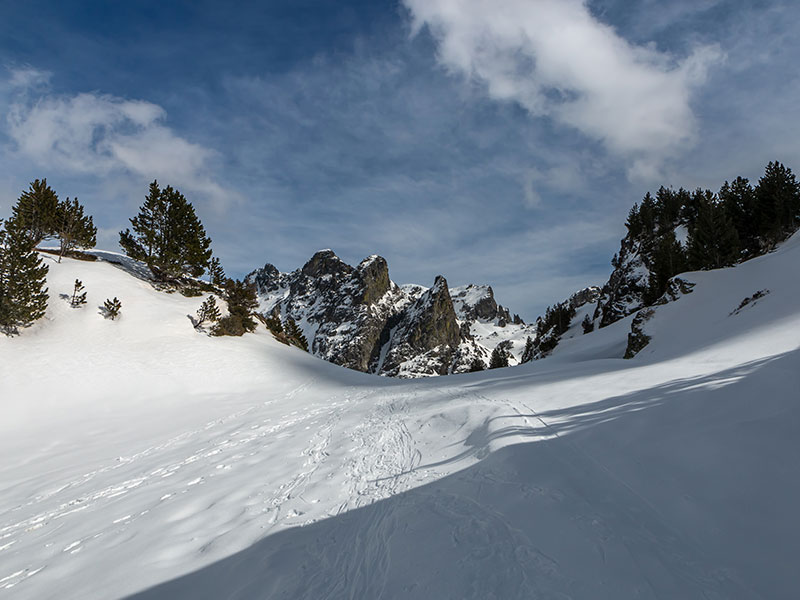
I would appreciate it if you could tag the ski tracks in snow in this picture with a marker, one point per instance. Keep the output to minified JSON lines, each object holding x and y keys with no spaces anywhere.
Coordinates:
{"x":158,"y":481}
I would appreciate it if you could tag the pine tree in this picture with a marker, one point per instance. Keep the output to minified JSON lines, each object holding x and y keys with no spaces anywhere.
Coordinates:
{"x":148,"y":226}
{"x":242,"y":301}
{"x":668,"y":259}
{"x":36,"y":211}
{"x":167,"y":235}
{"x":529,"y":351}
{"x":274,"y":324}
{"x":713,"y":242}
{"x":476,"y":365}
{"x":73,"y":228}
{"x":499,"y":359}
{"x":587,"y":324}
{"x":23,"y":295}
{"x":208,"y":311}
{"x":216,"y":272}
{"x":296,"y":334}
{"x":112,"y":308}
{"x":778,"y":202}
{"x":668,"y":208}
{"x":739,"y":201}
{"x":78,"y":295}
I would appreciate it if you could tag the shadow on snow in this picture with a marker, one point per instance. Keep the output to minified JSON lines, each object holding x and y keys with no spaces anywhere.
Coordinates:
{"x":684,"y":490}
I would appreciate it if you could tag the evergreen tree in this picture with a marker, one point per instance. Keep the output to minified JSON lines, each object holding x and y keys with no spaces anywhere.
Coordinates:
{"x":587,"y":324}
{"x":476,"y":365}
{"x":148,"y":226}
{"x":167,"y":235}
{"x":634,"y":222}
{"x":274,"y":324}
{"x":23,"y":295}
{"x":691,"y":208}
{"x":668,"y":259}
{"x":296,"y":334}
{"x":216,"y":272}
{"x":529,"y":351}
{"x":73,"y":228}
{"x":668,"y":208}
{"x":739,"y":201}
{"x":778,"y":202}
{"x":242,"y":301}
{"x":112,"y":308}
{"x":36,"y":211}
{"x":208,"y":311}
{"x":499,"y":358}
{"x":78,"y":295}
{"x":713,"y":242}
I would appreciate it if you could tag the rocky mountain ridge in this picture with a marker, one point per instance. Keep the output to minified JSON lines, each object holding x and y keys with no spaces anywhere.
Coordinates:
{"x":357,"y":317}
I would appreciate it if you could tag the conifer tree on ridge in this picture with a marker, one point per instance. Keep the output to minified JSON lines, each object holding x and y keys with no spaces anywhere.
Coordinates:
{"x":23,"y":295}
{"x":167,"y":235}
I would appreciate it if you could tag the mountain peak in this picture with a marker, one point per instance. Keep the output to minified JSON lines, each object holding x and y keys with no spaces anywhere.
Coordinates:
{"x":325,"y":262}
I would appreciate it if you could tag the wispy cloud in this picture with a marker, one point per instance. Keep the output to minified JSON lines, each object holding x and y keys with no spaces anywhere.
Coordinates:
{"x":102,"y":135}
{"x":556,"y":59}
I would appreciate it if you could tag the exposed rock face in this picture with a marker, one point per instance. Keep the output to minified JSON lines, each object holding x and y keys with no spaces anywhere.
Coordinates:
{"x":358,"y":318}
{"x":585,"y":296}
{"x":476,"y":301}
{"x":624,"y":292}
{"x":428,"y":330}
{"x":637,"y":338}
{"x":341,"y":310}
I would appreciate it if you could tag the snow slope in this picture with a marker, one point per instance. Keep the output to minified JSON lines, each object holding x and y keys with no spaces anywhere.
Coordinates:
{"x":142,"y":458}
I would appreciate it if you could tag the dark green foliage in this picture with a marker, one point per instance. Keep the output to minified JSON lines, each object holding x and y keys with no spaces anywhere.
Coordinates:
{"x":23,"y":295}
{"x":668,"y":259}
{"x":73,"y":228}
{"x":295,"y":334}
{"x":499,"y":358}
{"x":167,"y":235}
{"x":713,"y":241}
{"x":216,"y":272}
{"x":529,"y":352}
{"x":36,"y":211}
{"x":242,"y":301}
{"x":476,"y":365}
{"x":112,"y":308}
{"x":668,"y":209}
{"x":778,"y":203}
{"x":273,"y":323}
{"x":78,"y":295}
{"x":191,"y":291}
{"x":556,"y":320}
{"x":208,"y":311}
{"x":587,"y":324}
{"x":549,"y":328}
{"x":739,"y":201}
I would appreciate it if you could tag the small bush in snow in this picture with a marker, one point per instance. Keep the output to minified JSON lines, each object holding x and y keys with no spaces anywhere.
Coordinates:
{"x":78,"y":295}
{"x":112,"y":308}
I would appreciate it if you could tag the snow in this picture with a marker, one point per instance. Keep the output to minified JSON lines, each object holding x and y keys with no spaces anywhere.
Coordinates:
{"x":682,"y":235}
{"x":144,"y":458}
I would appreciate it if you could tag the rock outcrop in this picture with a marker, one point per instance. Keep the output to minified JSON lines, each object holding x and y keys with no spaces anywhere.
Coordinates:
{"x":358,"y":318}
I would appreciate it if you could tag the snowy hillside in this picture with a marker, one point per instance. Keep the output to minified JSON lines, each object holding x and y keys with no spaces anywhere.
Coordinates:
{"x":145,"y":459}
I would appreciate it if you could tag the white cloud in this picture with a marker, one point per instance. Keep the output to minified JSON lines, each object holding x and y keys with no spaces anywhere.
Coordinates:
{"x":556,"y":59}
{"x":103,"y":135}
{"x":28,"y":77}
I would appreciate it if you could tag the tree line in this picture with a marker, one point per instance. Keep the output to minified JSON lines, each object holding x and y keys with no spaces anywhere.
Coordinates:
{"x":38,"y":215}
{"x":737,"y":223}
{"x":166,"y":235}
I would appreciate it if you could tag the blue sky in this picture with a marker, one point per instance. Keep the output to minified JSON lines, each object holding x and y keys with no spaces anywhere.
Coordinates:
{"x":496,"y":142}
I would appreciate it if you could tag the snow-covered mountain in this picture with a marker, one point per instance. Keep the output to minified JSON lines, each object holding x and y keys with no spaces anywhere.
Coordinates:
{"x":357,"y":317}
{"x":144,"y":459}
